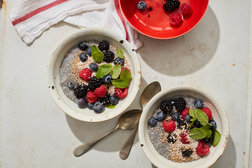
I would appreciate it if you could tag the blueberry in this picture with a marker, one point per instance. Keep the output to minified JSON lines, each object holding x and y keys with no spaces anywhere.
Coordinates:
{"x":152,"y":122}
{"x":106,"y":79}
{"x":175,"y":116}
{"x":119,"y":61}
{"x":89,"y":51}
{"x":94,"y":67}
{"x":113,"y":100}
{"x":81,"y":103}
{"x":98,"y":107}
{"x":70,"y":85}
{"x":197,"y":124}
{"x":160,"y":116}
{"x":213,"y":123}
{"x":188,"y":118}
{"x":90,"y":106}
{"x":83,"y":46}
{"x":198,"y":103}
{"x":141,"y":5}
{"x":83,"y":57}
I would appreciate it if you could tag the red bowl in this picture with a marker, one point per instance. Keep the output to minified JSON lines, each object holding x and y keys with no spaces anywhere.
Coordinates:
{"x":155,"y":23}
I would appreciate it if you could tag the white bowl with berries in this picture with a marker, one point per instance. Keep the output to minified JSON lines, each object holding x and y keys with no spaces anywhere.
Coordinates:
{"x":183,"y":127}
{"x":94,"y":75}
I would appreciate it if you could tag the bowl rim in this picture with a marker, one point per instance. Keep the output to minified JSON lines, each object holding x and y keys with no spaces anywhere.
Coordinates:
{"x":162,"y":94}
{"x":96,"y":32}
{"x":163,"y":38}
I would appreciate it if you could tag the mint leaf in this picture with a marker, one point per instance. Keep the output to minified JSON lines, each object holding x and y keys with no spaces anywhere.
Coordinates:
{"x":96,"y":54}
{"x":121,"y":83}
{"x":202,"y":117}
{"x":116,"y":71}
{"x":217,"y":137}
{"x":119,"y":53}
{"x":111,"y":106}
{"x":125,"y":75}
{"x":208,"y":131}
{"x":197,"y":133}
{"x":192,"y":113}
{"x":103,"y":70}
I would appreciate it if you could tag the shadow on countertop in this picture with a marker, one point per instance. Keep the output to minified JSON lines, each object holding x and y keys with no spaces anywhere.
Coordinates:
{"x":228,"y":159}
{"x":86,"y":131}
{"x":186,"y":54}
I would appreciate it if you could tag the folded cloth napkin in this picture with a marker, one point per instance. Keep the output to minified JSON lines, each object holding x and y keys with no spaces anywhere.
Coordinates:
{"x":32,"y":17}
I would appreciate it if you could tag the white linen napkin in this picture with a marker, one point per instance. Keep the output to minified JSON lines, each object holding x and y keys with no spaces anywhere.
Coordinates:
{"x":32,"y":17}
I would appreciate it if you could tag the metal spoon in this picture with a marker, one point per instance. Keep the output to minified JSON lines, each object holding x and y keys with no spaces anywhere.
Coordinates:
{"x":127,"y":121}
{"x":151,"y":90}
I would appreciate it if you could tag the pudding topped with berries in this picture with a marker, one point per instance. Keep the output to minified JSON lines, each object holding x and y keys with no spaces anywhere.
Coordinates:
{"x":95,"y":74}
{"x":182,"y":129}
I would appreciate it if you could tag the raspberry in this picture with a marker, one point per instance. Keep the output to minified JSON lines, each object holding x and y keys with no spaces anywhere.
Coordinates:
{"x":169,"y":125}
{"x":186,"y":9}
{"x":123,"y":68}
{"x":85,"y":74}
{"x":202,"y":149}
{"x":184,"y":139}
{"x":175,"y":19}
{"x":121,"y":93}
{"x":180,"y":104}
{"x":100,"y":91}
{"x":91,"y":97}
{"x":184,"y":113}
{"x":208,"y":112}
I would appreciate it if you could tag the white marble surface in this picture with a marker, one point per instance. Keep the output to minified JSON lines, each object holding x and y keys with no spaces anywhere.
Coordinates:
{"x":215,"y":56}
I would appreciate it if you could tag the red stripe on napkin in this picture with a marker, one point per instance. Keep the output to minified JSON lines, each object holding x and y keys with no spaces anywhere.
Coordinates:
{"x":37,"y":11}
{"x":119,"y":13}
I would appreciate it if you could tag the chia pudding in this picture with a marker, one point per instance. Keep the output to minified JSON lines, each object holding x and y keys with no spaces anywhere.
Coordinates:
{"x":95,"y":74}
{"x":182,"y":129}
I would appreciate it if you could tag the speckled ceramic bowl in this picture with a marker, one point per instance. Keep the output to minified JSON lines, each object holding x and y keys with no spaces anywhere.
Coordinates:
{"x":218,"y":114}
{"x":67,"y":105}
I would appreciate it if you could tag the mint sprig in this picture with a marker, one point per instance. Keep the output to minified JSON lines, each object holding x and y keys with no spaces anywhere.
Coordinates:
{"x":103,"y":70}
{"x":217,"y":137}
{"x":197,"y":133}
{"x":97,"y":54}
{"x":116,"y":71}
{"x":119,"y":53}
{"x":204,"y":131}
{"x":124,"y":81}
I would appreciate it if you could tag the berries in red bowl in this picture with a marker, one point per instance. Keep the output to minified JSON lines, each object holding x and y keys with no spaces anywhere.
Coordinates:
{"x":160,"y":22}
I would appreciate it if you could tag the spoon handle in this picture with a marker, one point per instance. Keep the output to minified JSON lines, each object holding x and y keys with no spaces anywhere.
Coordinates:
{"x":125,"y":150}
{"x":80,"y":150}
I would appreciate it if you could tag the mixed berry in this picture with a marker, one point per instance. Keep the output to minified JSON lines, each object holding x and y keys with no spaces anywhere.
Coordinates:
{"x":186,"y":126}
{"x":103,"y":80}
{"x":176,"y":11}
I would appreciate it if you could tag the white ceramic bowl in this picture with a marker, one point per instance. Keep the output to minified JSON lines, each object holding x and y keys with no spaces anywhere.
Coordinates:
{"x":218,"y":114}
{"x":69,"y":106}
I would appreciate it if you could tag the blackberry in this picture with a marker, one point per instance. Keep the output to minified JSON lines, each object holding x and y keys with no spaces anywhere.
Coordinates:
{"x":167,"y":105}
{"x":171,"y":138}
{"x":209,"y":140}
{"x":187,"y":153}
{"x":180,"y":104}
{"x":103,"y":45}
{"x":80,"y":91}
{"x":108,"y":56}
{"x":104,"y":100}
{"x":181,"y":123}
{"x":94,"y":83}
{"x":171,"y":5}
